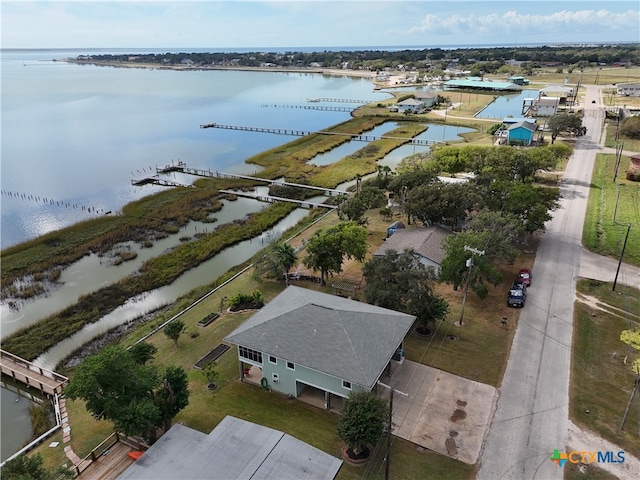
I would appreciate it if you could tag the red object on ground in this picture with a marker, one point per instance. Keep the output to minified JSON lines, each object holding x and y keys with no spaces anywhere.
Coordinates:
{"x":135,"y":454}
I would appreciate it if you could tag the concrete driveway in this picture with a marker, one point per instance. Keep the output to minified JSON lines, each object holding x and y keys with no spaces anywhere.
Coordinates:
{"x":442,"y":412}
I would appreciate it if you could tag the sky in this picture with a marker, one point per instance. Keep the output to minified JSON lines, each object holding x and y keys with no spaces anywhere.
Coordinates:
{"x":230,"y":24}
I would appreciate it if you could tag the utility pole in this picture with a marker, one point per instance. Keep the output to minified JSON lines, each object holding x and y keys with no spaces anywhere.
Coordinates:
{"x":624,"y":245}
{"x":633,"y":393}
{"x":619,"y":148}
{"x":389,"y":425}
{"x":469,"y":264}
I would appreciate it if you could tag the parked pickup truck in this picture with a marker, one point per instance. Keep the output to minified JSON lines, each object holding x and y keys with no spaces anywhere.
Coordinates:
{"x":517,"y":296}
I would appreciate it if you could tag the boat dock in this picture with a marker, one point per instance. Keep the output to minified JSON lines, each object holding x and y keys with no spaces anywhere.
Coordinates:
{"x":304,"y":133}
{"x":182,"y":168}
{"x":23,"y":371}
{"x":155,"y":180}
{"x":324,"y":108}
{"x":339,"y":100}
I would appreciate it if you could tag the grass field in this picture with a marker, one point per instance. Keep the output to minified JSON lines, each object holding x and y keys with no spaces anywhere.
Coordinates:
{"x":601,"y":382}
{"x":602,"y":233}
{"x":479,"y":352}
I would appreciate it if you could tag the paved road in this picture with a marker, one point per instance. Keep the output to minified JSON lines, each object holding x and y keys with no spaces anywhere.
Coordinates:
{"x":531,"y":418}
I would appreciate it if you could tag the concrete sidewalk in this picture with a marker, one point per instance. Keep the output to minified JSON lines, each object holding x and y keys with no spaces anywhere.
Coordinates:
{"x":443,"y":412}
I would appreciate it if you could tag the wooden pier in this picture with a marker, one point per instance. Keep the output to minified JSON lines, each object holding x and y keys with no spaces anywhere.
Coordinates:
{"x":324,"y":108}
{"x":304,"y":133}
{"x":182,"y":168}
{"x":23,"y":371}
{"x":272,"y":199}
{"x":339,"y":100}
{"x":155,"y":180}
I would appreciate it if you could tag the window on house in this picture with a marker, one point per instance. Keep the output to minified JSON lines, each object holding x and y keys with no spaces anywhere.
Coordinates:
{"x":346,"y":384}
{"x":250,"y":354}
{"x":291,"y":366}
{"x":273,"y":359}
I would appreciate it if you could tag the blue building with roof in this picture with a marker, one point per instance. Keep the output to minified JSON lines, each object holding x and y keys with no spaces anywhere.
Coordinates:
{"x":521,"y":133}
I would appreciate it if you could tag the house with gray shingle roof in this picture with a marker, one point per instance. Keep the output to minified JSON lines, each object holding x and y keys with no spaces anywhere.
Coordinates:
{"x":425,"y":243}
{"x":410,"y":105}
{"x":305,"y":339}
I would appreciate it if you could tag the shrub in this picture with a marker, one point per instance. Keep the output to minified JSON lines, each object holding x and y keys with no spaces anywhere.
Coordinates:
{"x":363,"y":420}
{"x":630,"y":127}
{"x":242,"y":301}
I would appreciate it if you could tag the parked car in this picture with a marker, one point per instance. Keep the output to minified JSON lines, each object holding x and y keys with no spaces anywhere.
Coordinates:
{"x":518,"y":284}
{"x":525,"y":276}
{"x":517,"y":297}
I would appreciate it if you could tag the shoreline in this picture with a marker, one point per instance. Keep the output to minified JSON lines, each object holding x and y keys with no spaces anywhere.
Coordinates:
{"x":158,"y":66}
{"x":336,"y":72}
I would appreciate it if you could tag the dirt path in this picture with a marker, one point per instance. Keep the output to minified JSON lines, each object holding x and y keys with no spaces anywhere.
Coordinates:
{"x":585,"y":441}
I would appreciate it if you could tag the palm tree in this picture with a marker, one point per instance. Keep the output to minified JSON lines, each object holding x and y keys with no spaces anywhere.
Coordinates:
{"x":276,"y":260}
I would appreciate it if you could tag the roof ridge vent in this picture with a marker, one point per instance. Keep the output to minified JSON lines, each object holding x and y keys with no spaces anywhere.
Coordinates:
{"x":321,"y":306}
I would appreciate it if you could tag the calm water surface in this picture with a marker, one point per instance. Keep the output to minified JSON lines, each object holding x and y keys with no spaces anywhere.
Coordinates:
{"x":74,"y":136}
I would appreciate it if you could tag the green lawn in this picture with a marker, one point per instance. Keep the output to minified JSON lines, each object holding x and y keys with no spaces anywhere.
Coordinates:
{"x":606,"y":198}
{"x":207,"y":408}
{"x":601,"y":383}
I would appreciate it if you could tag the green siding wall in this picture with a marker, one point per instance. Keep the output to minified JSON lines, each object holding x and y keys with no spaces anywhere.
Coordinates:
{"x":288,"y":379}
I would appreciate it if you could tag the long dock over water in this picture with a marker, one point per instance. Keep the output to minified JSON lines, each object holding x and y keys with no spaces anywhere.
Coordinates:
{"x":32,"y":375}
{"x":338,"y":100}
{"x":324,"y":108}
{"x":304,"y":133}
{"x":182,"y":168}
{"x":272,"y":199}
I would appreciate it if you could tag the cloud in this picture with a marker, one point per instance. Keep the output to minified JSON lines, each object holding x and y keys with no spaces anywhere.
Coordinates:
{"x":512,"y":22}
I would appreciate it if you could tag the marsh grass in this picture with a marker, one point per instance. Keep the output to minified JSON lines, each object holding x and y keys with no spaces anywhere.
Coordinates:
{"x":162,"y":270}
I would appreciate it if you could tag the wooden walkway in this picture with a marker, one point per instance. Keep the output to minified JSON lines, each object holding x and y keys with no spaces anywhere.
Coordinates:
{"x":272,"y":199}
{"x":108,"y":460}
{"x":182,"y":168}
{"x":304,"y":133}
{"x":25,"y":372}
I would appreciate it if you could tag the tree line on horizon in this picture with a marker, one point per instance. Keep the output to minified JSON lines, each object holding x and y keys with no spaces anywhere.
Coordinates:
{"x":490,"y":59}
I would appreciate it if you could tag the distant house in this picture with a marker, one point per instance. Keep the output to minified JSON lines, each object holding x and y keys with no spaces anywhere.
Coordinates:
{"x":563,"y":92}
{"x":308,"y":340}
{"x":545,"y":106}
{"x":410,"y":105}
{"x":521,"y":133}
{"x":235,"y":449}
{"x":426,"y":244}
{"x":628,"y":89}
{"x":519,"y":80}
{"x":429,"y":99}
